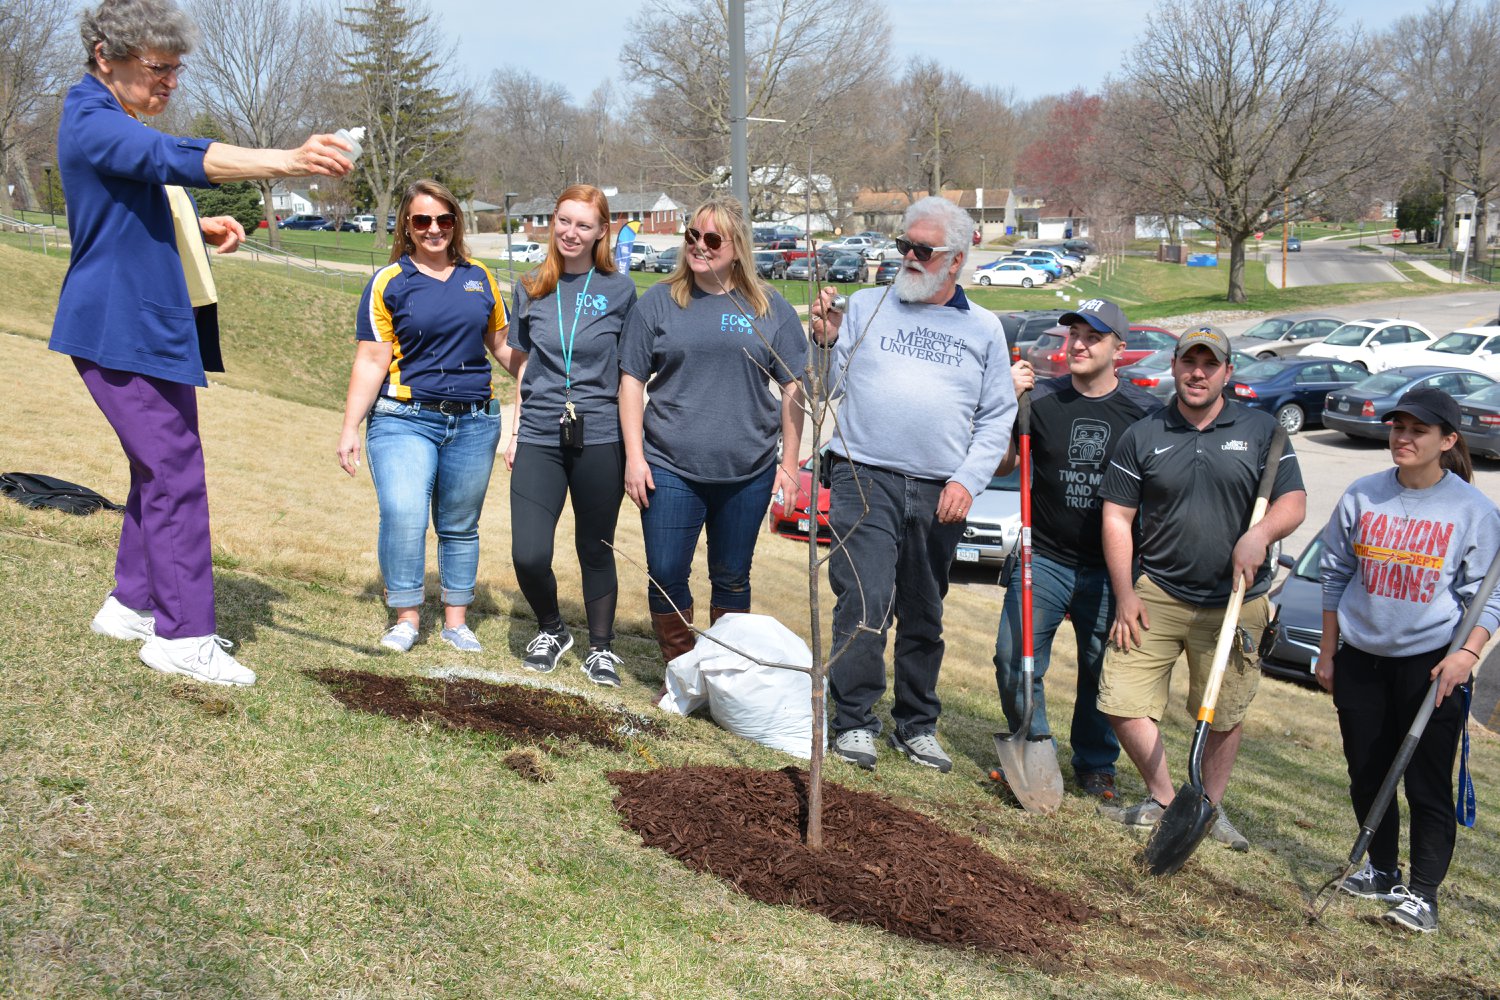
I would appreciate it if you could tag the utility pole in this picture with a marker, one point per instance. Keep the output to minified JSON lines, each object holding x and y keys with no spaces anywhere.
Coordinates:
{"x":739,"y":139}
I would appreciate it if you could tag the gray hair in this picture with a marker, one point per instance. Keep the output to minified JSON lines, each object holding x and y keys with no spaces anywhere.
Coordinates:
{"x":958,"y":226}
{"x":125,"y":27}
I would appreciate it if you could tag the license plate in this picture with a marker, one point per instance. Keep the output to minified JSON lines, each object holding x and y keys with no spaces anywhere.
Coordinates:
{"x":1344,"y":406}
{"x":803,"y":524}
{"x":967,"y":553}
{"x":1470,"y":420}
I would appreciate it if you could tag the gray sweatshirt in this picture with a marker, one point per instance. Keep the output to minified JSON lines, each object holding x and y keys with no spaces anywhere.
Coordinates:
{"x":1399,"y":565}
{"x":926,"y":389}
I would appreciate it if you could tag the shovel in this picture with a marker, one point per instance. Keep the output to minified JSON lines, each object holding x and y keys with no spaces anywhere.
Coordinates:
{"x":1187,"y":820}
{"x":1029,"y":762}
{"x":1408,"y":747}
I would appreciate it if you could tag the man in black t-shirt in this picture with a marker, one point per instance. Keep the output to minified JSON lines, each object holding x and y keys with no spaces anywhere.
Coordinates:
{"x":1076,"y":422}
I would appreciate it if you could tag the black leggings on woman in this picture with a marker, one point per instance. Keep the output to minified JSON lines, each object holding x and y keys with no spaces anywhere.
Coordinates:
{"x":542,"y":479}
{"x":1377,"y":698}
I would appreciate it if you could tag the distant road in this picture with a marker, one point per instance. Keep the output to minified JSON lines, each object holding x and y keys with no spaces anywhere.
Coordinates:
{"x":1330,"y":263}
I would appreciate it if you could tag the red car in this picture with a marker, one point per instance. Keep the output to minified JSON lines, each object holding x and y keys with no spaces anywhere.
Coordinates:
{"x":1049,"y":358}
{"x":793,"y":520}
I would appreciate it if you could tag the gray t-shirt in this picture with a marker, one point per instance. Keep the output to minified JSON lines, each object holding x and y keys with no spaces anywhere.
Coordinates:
{"x":595,"y":371}
{"x":711,"y":416}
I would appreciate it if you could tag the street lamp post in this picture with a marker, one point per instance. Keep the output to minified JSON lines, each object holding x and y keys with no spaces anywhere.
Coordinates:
{"x":51,"y":204}
{"x":509,"y":262}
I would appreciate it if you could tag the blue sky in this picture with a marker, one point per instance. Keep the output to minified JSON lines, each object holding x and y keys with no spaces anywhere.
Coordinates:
{"x":1006,"y":43}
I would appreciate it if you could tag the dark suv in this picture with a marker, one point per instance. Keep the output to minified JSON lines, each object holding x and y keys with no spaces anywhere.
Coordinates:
{"x":1024,"y":327}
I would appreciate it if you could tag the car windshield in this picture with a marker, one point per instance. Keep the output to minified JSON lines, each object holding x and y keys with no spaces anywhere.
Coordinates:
{"x":1259,"y":370}
{"x":1488,"y":396}
{"x":1458,"y":343}
{"x":1268,"y":329}
{"x":1307,"y":563}
{"x":848,"y":261}
{"x":1159,"y":361}
{"x":1011,"y":481}
{"x":1348,"y":335}
{"x":1385,"y":384}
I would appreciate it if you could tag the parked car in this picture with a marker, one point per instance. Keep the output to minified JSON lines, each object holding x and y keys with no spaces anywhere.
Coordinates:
{"x":882,"y":250}
{"x":1284,"y":336}
{"x":848,"y":268}
{"x":337,"y":226}
{"x":1293,"y":244}
{"x":781,"y":243}
{"x":1011,"y":273}
{"x":851,"y":244}
{"x":1481,"y":421}
{"x":302,"y":222}
{"x":1295,"y":631}
{"x":1048,"y":353}
{"x":1023,"y":327}
{"x":1082,"y":247}
{"x":1154,"y":372}
{"x":390,"y":223}
{"x":1293,"y":390}
{"x":666,"y":261}
{"x":1476,"y":348}
{"x":803,"y":267}
{"x":761,"y":235}
{"x":526,"y":250}
{"x":886,"y":273}
{"x":768,"y":264}
{"x":994,"y":523}
{"x":366,"y":223}
{"x":642,"y":256}
{"x":794,"y":519}
{"x":1047,"y":264}
{"x":1067,"y":262}
{"x":1361,"y":343}
{"x":1356,"y":411}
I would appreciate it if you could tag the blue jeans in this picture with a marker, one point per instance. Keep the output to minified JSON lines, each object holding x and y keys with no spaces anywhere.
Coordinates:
{"x":893,"y":563}
{"x":421,"y":461}
{"x":1085,"y":595}
{"x":680,"y":509}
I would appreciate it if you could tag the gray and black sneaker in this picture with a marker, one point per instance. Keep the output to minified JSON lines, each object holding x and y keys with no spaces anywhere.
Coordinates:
{"x":1143,"y":814}
{"x":857,"y":746}
{"x":543,"y":652}
{"x":1412,"y":913}
{"x":1224,"y":832}
{"x":599,"y":665}
{"x":922,"y":748}
{"x":1372,"y":883}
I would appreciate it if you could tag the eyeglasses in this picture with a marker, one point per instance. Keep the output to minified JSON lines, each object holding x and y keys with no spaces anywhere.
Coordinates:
{"x":445,"y":222}
{"x":161,"y":70}
{"x":711,"y":240}
{"x":921,"y":251}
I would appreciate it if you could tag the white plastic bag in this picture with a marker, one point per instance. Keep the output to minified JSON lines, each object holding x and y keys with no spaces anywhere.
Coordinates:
{"x":770,"y":705}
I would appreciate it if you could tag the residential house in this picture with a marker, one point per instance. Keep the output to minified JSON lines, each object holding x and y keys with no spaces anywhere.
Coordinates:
{"x":654,"y":210}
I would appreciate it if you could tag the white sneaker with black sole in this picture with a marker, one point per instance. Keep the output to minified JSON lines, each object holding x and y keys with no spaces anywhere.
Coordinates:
{"x":203,"y":658}
{"x":119,"y":622}
{"x":922,"y":749}
{"x":543,"y":652}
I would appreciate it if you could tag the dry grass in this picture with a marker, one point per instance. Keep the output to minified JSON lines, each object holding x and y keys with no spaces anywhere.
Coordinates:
{"x":157,"y":839}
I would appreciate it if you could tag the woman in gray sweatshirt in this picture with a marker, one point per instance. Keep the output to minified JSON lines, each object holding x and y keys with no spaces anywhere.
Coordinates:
{"x":1404,"y":553}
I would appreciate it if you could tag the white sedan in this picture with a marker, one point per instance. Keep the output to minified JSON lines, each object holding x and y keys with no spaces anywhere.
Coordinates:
{"x":1366,"y":342}
{"x":1011,"y":273}
{"x":1476,"y":348}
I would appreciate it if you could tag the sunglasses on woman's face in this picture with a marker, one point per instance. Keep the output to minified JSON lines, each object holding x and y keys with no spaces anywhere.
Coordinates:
{"x":711,"y":240}
{"x":445,"y":222}
{"x":921,"y":251}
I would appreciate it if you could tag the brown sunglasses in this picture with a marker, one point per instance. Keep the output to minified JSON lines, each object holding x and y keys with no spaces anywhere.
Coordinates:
{"x":445,"y":222}
{"x":711,"y":240}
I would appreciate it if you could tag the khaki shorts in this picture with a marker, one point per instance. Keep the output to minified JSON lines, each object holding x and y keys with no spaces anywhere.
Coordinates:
{"x":1136,"y":683}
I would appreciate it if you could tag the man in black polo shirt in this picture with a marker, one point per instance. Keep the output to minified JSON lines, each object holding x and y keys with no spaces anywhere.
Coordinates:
{"x":1077,"y":421}
{"x":1183,"y":480}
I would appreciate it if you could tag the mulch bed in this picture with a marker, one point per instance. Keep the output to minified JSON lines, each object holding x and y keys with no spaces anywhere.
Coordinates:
{"x":880,"y":864}
{"x":518,"y":712}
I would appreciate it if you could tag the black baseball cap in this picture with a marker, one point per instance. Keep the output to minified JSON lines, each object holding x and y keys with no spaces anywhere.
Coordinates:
{"x":1431,"y":406}
{"x":1101,"y":314}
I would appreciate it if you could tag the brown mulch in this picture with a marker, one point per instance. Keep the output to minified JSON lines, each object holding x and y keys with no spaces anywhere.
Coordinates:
{"x":518,"y":712}
{"x":880,"y":864}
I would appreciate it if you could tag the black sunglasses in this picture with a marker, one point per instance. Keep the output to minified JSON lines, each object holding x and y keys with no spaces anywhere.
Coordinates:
{"x":921,"y":251}
{"x":711,"y":240}
{"x":445,"y":221}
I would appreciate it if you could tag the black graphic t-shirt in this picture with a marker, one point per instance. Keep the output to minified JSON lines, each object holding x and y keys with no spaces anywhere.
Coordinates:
{"x":1073,"y":437}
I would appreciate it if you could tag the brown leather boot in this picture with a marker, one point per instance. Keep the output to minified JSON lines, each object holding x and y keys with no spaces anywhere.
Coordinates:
{"x":672,"y":635}
{"x":715,"y":613}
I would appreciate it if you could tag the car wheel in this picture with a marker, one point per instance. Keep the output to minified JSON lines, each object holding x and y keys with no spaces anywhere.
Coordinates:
{"x":1265,"y":355}
{"x":1025,"y":282}
{"x":1291,"y":417}
{"x":1068,"y":272}
{"x":1362,"y":366}
{"x":984,"y":279}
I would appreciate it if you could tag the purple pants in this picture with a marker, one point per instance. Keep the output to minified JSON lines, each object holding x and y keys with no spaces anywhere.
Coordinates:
{"x":165,"y":562}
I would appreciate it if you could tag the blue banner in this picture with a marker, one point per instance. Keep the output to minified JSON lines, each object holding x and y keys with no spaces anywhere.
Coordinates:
{"x":623,"y":243}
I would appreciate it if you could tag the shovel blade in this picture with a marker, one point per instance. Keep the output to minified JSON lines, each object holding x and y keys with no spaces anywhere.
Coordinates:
{"x":1031,"y":770}
{"x":1179,"y":831}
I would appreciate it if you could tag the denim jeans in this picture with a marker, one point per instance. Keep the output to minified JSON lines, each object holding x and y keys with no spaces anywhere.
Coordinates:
{"x":422,"y":461}
{"x":893,"y":563}
{"x":1059,"y":589}
{"x":680,"y":509}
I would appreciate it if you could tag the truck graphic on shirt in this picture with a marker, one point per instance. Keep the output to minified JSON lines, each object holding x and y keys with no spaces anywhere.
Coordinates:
{"x":1088,"y":443}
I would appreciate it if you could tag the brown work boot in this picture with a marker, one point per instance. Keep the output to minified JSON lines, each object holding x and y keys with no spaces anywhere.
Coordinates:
{"x":715,"y":613}
{"x":672,"y":635}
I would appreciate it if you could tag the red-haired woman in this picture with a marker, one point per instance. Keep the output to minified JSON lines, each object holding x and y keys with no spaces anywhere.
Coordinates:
{"x":565,"y":440}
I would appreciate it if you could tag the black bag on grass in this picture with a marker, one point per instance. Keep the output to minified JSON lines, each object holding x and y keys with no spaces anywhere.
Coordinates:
{"x":32,"y":489}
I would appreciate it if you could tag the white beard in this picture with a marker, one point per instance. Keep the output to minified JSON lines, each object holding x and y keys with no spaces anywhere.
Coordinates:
{"x":917,"y":285}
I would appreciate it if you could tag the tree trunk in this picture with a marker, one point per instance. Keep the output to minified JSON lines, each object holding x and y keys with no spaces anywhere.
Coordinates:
{"x":273,"y":234}
{"x":1236,"y":269}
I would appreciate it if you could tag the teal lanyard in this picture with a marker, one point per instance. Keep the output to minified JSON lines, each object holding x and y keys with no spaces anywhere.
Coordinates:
{"x":567,"y":345}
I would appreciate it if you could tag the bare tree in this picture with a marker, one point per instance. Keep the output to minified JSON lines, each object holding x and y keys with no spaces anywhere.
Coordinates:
{"x":32,"y":71}
{"x":259,"y":74}
{"x":1229,"y":108}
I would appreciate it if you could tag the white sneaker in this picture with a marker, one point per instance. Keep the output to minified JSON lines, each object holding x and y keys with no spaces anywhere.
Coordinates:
{"x":202,"y":657}
{"x":119,"y":622}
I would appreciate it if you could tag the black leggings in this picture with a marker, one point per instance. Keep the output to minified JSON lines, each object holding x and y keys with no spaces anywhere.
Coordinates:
{"x":542,"y":479}
{"x":1377,"y":698}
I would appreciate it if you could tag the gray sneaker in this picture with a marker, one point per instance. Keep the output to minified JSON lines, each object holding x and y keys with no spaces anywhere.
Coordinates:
{"x":1224,"y":832}
{"x":399,"y":637}
{"x":1413,"y":912}
{"x":1143,"y":814}
{"x":923,"y":748}
{"x":857,"y":746}
{"x":543,"y":652}
{"x":461,"y":639}
{"x":1372,"y":883}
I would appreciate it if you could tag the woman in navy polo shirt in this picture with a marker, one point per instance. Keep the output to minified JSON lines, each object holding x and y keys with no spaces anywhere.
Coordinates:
{"x":422,"y":380}
{"x":137,"y":315}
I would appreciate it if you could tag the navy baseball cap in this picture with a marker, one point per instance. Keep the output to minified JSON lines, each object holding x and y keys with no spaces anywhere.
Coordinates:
{"x":1431,"y":406}
{"x":1101,"y":314}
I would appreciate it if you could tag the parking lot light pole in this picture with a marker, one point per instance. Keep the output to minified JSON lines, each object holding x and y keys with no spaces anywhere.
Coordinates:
{"x":509,"y":264}
{"x":51,"y":204}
